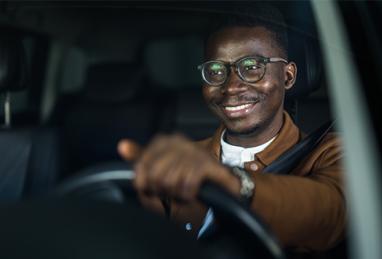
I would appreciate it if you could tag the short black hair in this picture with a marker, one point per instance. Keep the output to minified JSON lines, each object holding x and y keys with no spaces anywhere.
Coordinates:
{"x":249,"y":14}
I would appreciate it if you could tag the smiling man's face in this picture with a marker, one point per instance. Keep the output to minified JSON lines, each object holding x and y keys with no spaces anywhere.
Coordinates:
{"x":248,"y":108}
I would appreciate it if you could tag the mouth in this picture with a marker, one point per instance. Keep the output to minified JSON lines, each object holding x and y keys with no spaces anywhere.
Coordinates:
{"x":239,"y":110}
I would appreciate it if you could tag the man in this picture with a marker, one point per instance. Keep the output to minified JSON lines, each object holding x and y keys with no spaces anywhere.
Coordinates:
{"x":245,"y":75}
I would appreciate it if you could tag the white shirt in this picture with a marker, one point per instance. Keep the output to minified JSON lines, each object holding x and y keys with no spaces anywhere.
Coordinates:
{"x":235,"y":156}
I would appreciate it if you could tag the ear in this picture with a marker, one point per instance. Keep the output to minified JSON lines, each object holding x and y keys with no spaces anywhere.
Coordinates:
{"x":290,"y":72}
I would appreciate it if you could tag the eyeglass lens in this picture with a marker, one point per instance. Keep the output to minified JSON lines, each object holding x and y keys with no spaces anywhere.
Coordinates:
{"x":215,"y":72}
{"x":249,"y":69}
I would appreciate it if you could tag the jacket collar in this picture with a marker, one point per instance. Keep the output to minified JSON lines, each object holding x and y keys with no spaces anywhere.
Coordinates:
{"x":288,"y":136}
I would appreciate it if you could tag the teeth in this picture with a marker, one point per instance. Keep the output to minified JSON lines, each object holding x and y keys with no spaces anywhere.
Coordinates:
{"x":236,"y":108}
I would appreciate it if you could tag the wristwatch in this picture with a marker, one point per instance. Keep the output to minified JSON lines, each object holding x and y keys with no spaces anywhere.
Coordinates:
{"x":247,"y":184}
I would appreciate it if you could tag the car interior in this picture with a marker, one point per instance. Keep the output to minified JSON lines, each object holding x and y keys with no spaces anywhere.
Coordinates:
{"x":91,"y":78}
{"x":76,"y":77}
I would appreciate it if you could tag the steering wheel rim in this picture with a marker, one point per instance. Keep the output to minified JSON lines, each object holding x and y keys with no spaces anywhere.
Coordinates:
{"x":212,"y":195}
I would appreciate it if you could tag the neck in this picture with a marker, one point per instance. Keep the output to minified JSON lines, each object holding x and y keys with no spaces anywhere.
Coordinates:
{"x":257,"y":136}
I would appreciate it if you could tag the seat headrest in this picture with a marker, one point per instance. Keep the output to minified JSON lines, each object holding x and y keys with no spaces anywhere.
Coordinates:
{"x":172,"y":62}
{"x":112,"y":82}
{"x":305,"y":52}
{"x":12,"y":64}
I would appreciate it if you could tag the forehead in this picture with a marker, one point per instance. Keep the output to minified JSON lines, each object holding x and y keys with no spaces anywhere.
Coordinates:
{"x":232,"y":43}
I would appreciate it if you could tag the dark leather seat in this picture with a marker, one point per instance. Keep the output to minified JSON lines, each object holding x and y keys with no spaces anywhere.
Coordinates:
{"x":308,"y":111}
{"x":28,"y":164}
{"x":172,"y":67}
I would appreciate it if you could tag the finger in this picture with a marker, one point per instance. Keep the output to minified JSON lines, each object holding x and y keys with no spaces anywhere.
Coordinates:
{"x":129,"y":150}
{"x":167,"y":166}
{"x":197,"y":175}
{"x":173,"y":164}
{"x":155,"y":162}
{"x":144,"y":165}
{"x":191,"y":175}
{"x":140,"y":180}
{"x":165,"y":162}
{"x":159,"y":155}
{"x":153,"y":151}
{"x":190,"y":184}
{"x":172,"y":181}
{"x":151,"y":202}
{"x":156,"y":174}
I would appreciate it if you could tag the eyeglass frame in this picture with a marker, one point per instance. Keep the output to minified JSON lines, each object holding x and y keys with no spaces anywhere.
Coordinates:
{"x":263,"y":61}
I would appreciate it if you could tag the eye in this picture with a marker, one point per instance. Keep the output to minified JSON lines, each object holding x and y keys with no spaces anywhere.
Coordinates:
{"x":250,"y":64}
{"x":214,"y":72}
{"x":216,"y":69}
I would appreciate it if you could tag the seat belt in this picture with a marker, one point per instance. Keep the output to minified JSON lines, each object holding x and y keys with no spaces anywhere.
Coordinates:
{"x":290,"y":158}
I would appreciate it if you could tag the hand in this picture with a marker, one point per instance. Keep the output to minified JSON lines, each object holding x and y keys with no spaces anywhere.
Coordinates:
{"x":174,"y":167}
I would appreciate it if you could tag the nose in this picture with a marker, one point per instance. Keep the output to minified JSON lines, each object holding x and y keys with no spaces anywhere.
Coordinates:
{"x":234,"y":84}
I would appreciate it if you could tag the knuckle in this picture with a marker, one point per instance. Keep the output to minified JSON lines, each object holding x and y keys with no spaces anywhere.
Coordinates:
{"x":179,"y":136}
{"x":168,"y":182}
{"x":139,"y":184}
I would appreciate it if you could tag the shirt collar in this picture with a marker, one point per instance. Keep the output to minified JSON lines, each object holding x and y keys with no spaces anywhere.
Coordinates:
{"x":288,"y":136}
{"x":236,"y":155}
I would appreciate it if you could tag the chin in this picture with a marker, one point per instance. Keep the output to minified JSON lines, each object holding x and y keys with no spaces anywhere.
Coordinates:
{"x":244,"y":131}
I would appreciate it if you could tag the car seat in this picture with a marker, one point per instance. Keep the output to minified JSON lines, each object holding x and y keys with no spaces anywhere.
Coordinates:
{"x":307,"y":112}
{"x":172,"y":66}
{"x":28,"y":155}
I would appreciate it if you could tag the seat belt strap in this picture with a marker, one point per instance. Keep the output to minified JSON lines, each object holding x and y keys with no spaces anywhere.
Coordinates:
{"x":290,"y":158}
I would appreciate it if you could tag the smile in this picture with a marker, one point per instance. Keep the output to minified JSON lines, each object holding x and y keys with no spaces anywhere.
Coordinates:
{"x":238,"y":110}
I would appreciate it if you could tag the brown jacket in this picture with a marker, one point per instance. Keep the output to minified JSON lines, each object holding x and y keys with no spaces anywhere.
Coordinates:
{"x":306,"y":209}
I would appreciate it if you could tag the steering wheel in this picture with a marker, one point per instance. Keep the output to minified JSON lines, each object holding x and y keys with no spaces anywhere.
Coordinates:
{"x":113,"y":182}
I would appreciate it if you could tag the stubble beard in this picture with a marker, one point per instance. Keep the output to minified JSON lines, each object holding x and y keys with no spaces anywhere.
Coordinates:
{"x":244,"y":133}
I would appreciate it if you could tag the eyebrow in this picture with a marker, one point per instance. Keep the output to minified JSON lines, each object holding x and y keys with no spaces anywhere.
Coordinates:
{"x":237,"y":59}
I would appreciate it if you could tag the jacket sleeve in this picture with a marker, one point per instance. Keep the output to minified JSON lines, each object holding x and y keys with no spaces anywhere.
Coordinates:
{"x":306,"y":210}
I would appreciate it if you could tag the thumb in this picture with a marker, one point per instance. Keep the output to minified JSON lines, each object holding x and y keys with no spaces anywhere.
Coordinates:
{"x":129,"y":149}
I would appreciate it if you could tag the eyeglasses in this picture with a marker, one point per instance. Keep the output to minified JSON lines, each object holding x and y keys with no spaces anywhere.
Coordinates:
{"x":250,"y":69}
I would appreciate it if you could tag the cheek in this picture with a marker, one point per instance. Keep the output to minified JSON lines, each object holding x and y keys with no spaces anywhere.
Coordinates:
{"x":273,"y":95}
{"x":272,"y":89}
{"x":210,"y":94}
